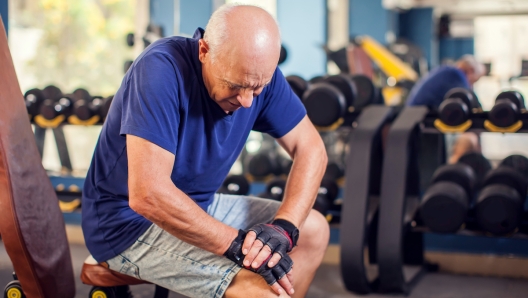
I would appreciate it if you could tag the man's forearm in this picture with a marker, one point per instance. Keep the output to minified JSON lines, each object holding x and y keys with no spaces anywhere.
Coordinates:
{"x":303,"y":184}
{"x":172,"y":210}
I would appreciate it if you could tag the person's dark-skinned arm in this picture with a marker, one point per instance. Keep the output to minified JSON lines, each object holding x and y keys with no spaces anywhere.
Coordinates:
{"x":307,"y":150}
{"x":153,"y":195}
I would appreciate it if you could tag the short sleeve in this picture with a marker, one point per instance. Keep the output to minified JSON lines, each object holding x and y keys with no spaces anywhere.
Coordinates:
{"x":281,"y":109}
{"x":151,"y":103}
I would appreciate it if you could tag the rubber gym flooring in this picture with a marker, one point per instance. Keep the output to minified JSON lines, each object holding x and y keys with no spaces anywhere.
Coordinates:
{"x":328,"y":283}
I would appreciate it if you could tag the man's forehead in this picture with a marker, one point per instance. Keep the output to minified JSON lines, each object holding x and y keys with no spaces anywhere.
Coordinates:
{"x":247,"y":84}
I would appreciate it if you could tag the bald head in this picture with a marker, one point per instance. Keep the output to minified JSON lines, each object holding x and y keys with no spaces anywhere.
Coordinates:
{"x":471,"y":67}
{"x":242,"y":30}
{"x":239,"y":53}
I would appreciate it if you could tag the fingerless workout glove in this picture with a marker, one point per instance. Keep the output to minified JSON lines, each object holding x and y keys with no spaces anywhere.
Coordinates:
{"x":270,"y":275}
{"x":274,"y":236}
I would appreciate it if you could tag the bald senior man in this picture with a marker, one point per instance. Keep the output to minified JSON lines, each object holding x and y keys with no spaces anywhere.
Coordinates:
{"x":176,"y":126}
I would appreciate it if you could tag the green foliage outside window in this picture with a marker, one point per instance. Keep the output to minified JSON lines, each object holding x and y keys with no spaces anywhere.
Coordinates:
{"x":82,"y":42}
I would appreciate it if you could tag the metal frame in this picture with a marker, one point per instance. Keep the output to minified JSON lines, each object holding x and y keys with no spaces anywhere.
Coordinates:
{"x":360,"y":203}
{"x":399,"y":200}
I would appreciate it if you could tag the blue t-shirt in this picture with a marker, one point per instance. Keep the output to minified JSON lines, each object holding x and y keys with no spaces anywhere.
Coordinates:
{"x":163,"y":99}
{"x":430,"y":91}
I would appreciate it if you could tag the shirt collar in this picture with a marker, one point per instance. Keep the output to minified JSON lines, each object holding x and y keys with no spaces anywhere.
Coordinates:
{"x":199,"y":33}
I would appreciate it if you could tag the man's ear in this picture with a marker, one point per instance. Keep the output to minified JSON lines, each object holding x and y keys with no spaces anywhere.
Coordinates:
{"x":203,"y":50}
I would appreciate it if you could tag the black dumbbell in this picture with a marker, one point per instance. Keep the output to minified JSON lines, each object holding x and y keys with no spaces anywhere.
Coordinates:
{"x":130,"y":39}
{"x":507,"y":109}
{"x":33,"y":99}
{"x":367,"y":93}
{"x":480,"y":165}
{"x":283,"y":55}
{"x":127,"y":65}
{"x":445,"y":204}
{"x":274,"y":190}
{"x":268,"y":162}
{"x":56,"y":104}
{"x":316,"y":79}
{"x":326,"y":195}
{"x":86,"y":106}
{"x":458,"y":106}
{"x":518,"y":162}
{"x":235,"y":185}
{"x":334,"y":171}
{"x":298,"y":85}
{"x":52,"y":92}
{"x":107,"y":102}
{"x":500,"y":204}
{"x":329,"y":101}
{"x":265,"y":162}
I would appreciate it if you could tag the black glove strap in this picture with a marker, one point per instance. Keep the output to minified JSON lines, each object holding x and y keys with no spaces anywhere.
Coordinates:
{"x":234,"y":252}
{"x":290,"y":228}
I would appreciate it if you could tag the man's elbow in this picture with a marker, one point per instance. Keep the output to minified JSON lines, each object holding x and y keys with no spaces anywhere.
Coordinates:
{"x":140,"y":202}
{"x":324,"y":158}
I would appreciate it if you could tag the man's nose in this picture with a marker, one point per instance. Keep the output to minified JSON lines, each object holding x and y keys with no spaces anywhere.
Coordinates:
{"x":245,"y":97}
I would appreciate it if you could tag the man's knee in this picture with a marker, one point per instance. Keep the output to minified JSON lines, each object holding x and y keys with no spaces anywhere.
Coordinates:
{"x":250,"y":284}
{"x":315,"y":232}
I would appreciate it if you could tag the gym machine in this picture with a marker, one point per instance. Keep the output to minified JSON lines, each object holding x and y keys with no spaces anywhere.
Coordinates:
{"x":359,"y":214}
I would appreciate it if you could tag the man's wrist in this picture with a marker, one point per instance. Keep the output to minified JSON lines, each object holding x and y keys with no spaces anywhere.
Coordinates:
{"x":234,"y":252}
{"x":289,"y":227}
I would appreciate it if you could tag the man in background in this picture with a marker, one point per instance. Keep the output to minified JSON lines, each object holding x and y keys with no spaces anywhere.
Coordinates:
{"x":431,"y":89}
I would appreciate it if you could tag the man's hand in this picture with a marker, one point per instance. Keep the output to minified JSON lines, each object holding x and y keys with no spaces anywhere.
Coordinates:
{"x":276,"y":273}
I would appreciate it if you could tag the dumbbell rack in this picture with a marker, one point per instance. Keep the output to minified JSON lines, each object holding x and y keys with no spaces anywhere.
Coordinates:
{"x":60,"y":141}
{"x":67,"y":188}
{"x":414,"y":149}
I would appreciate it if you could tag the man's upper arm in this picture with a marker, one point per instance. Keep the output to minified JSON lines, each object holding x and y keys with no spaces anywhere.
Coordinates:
{"x":151,"y":104}
{"x":281,"y":110}
{"x":303,"y":135}
{"x":148,"y":165}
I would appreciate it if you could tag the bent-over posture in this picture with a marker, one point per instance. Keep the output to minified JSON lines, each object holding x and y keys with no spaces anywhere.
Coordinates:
{"x":177,"y":124}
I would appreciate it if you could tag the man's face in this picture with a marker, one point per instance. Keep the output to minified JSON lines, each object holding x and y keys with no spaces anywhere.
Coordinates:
{"x":233,"y":81}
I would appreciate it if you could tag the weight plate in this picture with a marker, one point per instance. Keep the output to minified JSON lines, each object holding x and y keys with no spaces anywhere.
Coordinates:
{"x":346,"y":85}
{"x":366,"y":91}
{"x":514,"y":96}
{"x":325,"y":104}
{"x":480,"y":165}
{"x":444,"y":207}
{"x":298,"y":85}
{"x":499,"y":209}
{"x":453,"y":111}
{"x":504,"y":113}
{"x":518,"y":162}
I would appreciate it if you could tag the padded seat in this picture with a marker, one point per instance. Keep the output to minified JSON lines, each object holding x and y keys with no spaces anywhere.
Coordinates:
{"x":98,"y":274}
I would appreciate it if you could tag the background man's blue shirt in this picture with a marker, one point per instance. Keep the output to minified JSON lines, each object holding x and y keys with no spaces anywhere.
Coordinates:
{"x":163,"y":99}
{"x":430,"y":91}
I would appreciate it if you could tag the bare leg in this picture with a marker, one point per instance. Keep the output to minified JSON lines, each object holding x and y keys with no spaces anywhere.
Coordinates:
{"x":466,"y":142}
{"x":307,"y":257}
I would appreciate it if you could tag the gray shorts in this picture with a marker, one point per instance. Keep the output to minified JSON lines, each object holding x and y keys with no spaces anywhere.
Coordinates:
{"x":162,"y":259}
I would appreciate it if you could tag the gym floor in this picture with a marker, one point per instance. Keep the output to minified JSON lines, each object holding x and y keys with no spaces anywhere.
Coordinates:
{"x":328,"y":283}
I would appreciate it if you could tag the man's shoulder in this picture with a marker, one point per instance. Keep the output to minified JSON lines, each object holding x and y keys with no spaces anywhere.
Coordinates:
{"x":448,"y":70}
{"x":173,"y":47}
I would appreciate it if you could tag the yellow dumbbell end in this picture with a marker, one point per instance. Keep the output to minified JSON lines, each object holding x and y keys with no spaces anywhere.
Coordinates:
{"x":45,"y":123}
{"x":493,"y":128}
{"x":444,"y":128}
{"x":69,"y":206}
{"x":331,"y":127}
{"x":75,"y":120}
